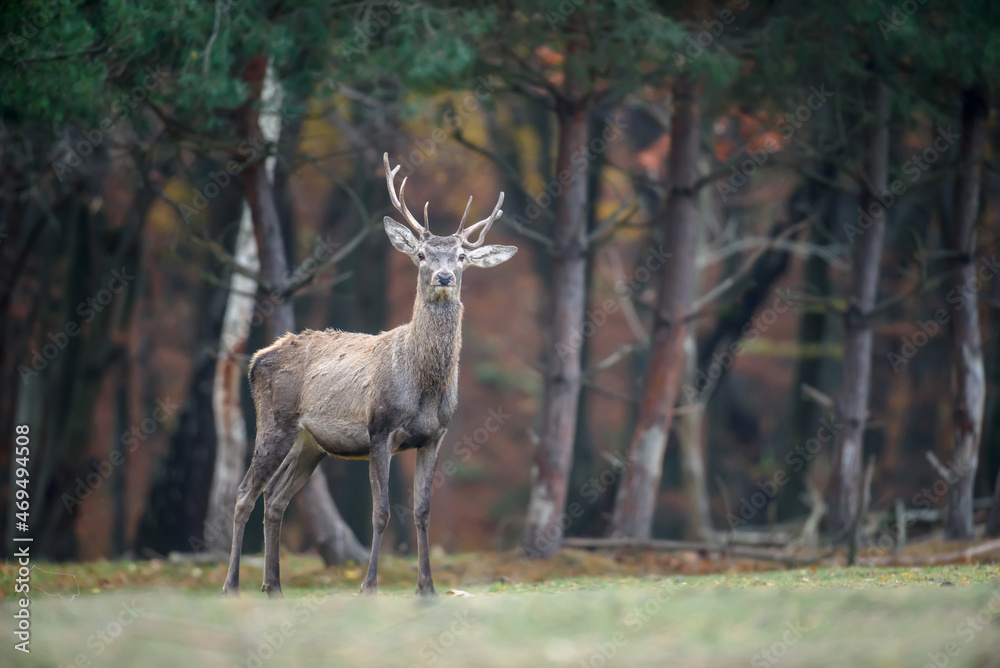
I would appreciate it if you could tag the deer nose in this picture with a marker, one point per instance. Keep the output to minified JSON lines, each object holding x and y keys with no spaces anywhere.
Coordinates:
{"x":444,"y":278}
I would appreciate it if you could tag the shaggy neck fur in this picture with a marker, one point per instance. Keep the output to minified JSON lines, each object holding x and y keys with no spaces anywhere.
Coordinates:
{"x":434,"y":342}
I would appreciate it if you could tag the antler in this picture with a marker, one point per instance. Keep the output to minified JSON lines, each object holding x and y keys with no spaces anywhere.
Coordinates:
{"x":400,"y":202}
{"x":485,"y":223}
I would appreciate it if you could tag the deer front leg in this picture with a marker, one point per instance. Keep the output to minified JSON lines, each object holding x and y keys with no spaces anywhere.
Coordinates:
{"x":423,"y":485}
{"x":378,"y":476}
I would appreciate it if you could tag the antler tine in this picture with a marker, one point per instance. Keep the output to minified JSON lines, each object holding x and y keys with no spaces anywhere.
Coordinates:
{"x":427,"y":225}
{"x":485,"y":223}
{"x":464,"y":215}
{"x":400,"y":202}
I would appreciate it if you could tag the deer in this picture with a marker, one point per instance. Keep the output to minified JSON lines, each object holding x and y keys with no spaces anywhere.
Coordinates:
{"x":363,"y":396}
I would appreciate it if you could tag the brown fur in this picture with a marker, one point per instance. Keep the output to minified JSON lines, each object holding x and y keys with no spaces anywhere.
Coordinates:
{"x":362,"y":396}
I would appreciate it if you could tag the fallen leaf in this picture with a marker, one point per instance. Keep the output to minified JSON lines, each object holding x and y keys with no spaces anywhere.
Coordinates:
{"x":458,"y":592}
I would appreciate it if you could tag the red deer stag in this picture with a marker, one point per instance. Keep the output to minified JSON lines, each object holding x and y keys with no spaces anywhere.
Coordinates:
{"x":362,"y":396}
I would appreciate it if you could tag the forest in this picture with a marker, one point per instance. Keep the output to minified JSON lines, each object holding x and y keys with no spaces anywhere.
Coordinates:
{"x":754,"y":301}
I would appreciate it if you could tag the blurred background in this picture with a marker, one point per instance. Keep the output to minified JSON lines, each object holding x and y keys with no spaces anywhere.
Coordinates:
{"x":755,"y":297}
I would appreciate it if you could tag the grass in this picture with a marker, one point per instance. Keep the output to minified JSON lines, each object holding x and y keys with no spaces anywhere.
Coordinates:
{"x":579,"y":609}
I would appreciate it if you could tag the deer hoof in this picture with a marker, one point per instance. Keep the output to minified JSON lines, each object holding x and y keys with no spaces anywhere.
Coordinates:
{"x":230,"y":592}
{"x":368,"y":589}
{"x":272,"y":592}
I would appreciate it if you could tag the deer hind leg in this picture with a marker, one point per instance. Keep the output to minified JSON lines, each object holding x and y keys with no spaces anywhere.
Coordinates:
{"x":423,"y":484}
{"x":271,"y":448}
{"x":294,"y":472}
{"x":378,"y":476}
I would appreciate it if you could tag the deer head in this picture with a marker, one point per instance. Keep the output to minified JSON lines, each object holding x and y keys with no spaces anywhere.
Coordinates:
{"x":441,"y":260}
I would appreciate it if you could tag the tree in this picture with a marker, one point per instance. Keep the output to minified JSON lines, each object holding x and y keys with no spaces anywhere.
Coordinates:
{"x":103,"y":63}
{"x":969,"y":374}
{"x":334,"y":539}
{"x":574,"y":58}
{"x":852,"y":400}
{"x":635,"y":502}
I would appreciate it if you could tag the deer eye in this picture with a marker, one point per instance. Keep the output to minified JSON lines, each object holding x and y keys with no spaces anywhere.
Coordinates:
{"x":420,"y":256}
{"x":462,"y":257}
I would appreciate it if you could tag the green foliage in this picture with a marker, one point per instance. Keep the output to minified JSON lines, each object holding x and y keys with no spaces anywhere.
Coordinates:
{"x":73,"y":66}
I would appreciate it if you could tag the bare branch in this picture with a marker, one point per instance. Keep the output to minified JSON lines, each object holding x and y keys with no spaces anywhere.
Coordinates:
{"x":628,"y":308}
{"x":714,"y":293}
{"x":608,"y":226}
{"x":614,"y":394}
{"x":612,"y":359}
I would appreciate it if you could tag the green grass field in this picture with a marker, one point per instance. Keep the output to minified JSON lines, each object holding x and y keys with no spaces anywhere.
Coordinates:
{"x":565,"y":613}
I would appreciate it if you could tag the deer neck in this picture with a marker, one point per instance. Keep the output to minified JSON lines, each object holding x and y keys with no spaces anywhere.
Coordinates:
{"x":434,"y":342}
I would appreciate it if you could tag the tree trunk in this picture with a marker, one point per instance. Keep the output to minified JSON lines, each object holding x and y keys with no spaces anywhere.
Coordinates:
{"x":813,"y":363}
{"x":968,"y":373}
{"x":635,"y":501}
{"x":545,"y":523}
{"x":852,"y":400}
{"x":993,"y":523}
{"x":227,"y":408}
{"x":335,"y":541}
{"x":689,"y":437}
{"x":177,"y":502}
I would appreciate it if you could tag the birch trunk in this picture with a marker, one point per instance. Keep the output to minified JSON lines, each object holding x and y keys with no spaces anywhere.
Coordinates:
{"x":852,"y":400}
{"x":689,"y":437}
{"x":335,"y":540}
{"x":230,"y":427}
{"x":968,"y":372}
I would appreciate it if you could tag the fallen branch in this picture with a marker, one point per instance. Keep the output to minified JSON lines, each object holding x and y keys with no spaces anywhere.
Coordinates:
{"x":965,"y":555}
{"x":938,"y":466}
{"x":760,"y":554}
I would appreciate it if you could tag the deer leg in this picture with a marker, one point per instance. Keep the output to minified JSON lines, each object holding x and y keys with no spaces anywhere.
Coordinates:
{"x":295,"y":469}
{"x":265,"y":462}
{"x":423,"y":484}
{"x":378,"y":475}
{"x":246,"y":497}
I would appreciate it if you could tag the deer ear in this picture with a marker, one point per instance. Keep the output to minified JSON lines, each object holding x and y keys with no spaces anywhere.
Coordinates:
{"x":401,"y":237}
{"x":490,"y":256}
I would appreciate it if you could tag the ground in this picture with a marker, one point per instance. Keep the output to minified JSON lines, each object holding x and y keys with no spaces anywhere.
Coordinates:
{"x":579,"y":609}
